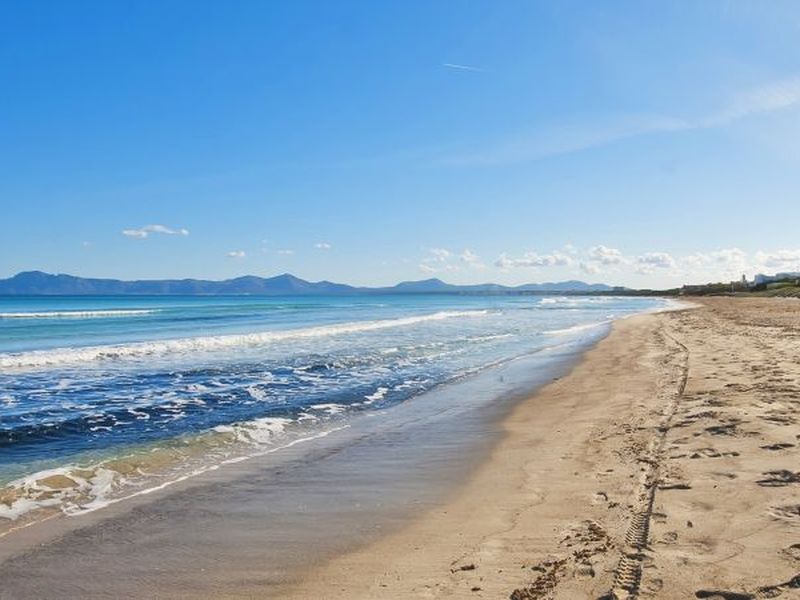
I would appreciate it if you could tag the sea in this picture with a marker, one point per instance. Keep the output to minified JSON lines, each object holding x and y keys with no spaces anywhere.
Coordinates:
{"x":105,"y":398}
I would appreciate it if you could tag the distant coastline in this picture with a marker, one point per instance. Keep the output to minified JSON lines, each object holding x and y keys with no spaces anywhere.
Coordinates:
{"x":39,"y":283}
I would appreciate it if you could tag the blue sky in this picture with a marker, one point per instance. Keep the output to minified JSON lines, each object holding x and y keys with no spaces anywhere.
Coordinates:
{"x":637,"y":143}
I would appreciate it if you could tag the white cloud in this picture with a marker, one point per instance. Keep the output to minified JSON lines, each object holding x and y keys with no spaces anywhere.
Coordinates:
{"x":657,"y":260}
{"x":144,"y":232}
{"x":729,"y":255}
{"x":615,"y":266}
{"x":532,"y":259}
{"x":438,"y":260}
{"x":472,"y":260}
{"x":438,"y":255}
{"x":468,"y":256}
{"x":286,"y":252}
{"x":727,"y":259}
{"x":724,"y":264}
{"x":237,"y":254}
{"x":322,"y":246}
{"x":589,"y":268}
{"x":458,"y":67}
{"x":426,"y":268}
{"x":605,"y":255}
{"x":429,"y":268}
{"x":779,"y":259}
{"x":696,"y":260}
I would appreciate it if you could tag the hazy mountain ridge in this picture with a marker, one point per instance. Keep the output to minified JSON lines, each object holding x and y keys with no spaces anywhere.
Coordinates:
{"x":41,"y":283}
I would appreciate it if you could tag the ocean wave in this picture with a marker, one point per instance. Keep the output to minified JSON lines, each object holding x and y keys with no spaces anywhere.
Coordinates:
{"x":376,"y":396}
{"x":78,"y":314}
{"x":577,"y":328}
{"x":575,"y":301}
{"x":257,"y":431}
{"x":330,"y":408}
{"x":72,"y":356}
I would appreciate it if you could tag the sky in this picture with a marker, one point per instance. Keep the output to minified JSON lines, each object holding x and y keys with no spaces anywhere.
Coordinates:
{"x":647,"y":143}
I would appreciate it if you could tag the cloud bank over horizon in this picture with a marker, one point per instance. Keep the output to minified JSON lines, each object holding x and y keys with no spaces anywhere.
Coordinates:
{"x":614,"y":265}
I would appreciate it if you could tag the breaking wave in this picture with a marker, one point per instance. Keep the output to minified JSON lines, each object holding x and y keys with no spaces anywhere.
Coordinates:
{"x":68,"y":356}
{"x":78,"y":314}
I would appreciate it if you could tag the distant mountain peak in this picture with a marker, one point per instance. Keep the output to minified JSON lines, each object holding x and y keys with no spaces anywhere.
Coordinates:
{"x":29,"y":274}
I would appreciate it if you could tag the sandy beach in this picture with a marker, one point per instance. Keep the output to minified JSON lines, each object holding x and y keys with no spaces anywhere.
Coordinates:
{"x":665,"y":465}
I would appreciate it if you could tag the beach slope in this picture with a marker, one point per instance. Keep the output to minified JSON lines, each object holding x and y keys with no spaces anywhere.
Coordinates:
{"x":664,"y":465}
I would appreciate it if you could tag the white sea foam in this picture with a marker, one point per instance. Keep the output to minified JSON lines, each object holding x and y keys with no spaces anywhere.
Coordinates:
{"x":577,"y":328}
{"x":34,"y":491}
{"x":102,"y":502}
{"x":71,"y":356}
{"x":575,"y":301}
{"x":258,"y":431}
{"x":77,"y":314}
{"x":490,"y":337}
{"x":330,"y":408}
{"x":93,"y":488}
{"x":257,"y":393}
{"x":379,"y":394}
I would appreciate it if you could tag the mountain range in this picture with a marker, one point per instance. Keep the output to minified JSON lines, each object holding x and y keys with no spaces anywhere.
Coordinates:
{"x":40,"y":283}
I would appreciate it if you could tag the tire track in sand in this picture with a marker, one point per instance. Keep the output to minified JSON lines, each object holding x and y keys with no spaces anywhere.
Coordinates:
{"x":628,"y":574}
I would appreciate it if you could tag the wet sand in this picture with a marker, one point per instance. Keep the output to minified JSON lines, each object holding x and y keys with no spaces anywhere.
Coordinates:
{"x":663,"y":465}
{"x":666,"y":465}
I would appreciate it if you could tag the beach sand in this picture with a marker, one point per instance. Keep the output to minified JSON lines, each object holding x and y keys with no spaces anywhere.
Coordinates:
{"x":665,"y":465}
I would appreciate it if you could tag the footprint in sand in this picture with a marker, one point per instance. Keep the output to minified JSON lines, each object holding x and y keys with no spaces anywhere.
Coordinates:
{"x":720,"y":595}
{"x":674,"y":485}
{"x":779,"y":419}
{"x":669,"y":537}
{"x":793,"y":551}
{"x":773,"y":591}
{"x":789,"y":512}
{"x":779,"y":478}
{"x":767,"y":591}
{"x":727,"y":429}
{"x":705,"y":453}
{"x":652,"y":586}
{"x":711,"y":453}
{"x":658,"y":517}
{"x":778,"y":446}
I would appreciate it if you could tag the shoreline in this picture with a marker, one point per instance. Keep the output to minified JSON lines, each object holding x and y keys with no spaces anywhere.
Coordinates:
{"x":378,"y":473}
{"x":468,"y":545}
{"x":592,"y":491}
{"x":169,"y":431}
{"x":659,"y":464}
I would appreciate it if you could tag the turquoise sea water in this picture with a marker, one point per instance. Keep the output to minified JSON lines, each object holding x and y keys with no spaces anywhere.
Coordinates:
{"x":85,"y":380}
